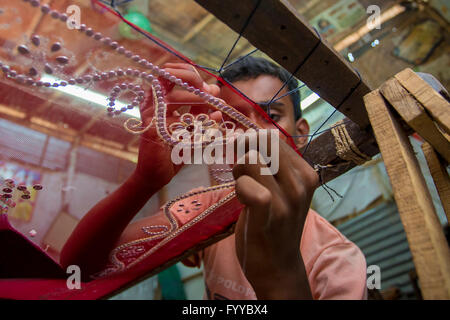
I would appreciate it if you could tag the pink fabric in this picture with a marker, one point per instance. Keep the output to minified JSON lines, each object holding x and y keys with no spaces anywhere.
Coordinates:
{"x":336,"y":267}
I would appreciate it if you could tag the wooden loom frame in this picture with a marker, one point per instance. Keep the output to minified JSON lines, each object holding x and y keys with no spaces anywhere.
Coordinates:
{"x":284,"y":35}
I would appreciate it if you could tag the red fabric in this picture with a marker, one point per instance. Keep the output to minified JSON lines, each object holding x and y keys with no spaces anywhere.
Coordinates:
{"x":22,"y":258}
{"x":50,"y":282}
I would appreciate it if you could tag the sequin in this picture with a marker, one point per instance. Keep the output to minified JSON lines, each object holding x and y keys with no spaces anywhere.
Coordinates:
{"x":33,"y":72}
{"x":36,"y":40}
{"x":23,"y":49}
{"x":62,"y":59}
{"x":55,"y":47}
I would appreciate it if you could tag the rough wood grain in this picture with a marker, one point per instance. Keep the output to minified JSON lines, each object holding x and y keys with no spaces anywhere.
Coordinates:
{"x":428,"y":245}
{"x":440,"y":176}
{"x":322,"y":151}
{"x":277,"y":29}
{"x":433,"y":102}
{"x":415,"y":116}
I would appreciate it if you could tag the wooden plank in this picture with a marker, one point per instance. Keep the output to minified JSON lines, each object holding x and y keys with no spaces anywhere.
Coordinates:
{"x":277,"y":29}
{"x":440,"y":176}
{"x":425,"y":235}
{"x":322,"y":151}
{"x":197,"y":28}
{"x":415,"y":116}
{"x":433,"y":102}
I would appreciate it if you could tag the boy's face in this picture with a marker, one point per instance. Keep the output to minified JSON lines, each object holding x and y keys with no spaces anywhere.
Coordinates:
{"x":261,"y":90}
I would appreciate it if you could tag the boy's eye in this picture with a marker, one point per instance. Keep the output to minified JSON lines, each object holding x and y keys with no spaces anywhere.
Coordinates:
{"x":275,"y":117}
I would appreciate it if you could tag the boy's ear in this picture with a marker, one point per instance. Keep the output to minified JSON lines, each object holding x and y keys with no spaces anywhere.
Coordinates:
{"x":302,"y":128}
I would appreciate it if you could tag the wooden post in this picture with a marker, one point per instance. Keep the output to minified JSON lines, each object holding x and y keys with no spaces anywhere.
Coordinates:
{"x":433,"y":102}
{"x":440,"y":176}
{"x":415,"y":116}
{"x":425,"y":235}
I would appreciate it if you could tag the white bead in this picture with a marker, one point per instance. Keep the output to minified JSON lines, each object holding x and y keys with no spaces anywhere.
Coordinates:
{"x":106,"y":40}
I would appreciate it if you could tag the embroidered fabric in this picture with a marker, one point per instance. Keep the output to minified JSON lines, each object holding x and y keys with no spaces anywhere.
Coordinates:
{"x":74,"y":82}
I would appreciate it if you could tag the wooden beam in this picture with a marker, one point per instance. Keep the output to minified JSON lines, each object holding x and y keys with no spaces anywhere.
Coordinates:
{"x":130,"y":146}
{"x":277,"y":29}
{"x":197,"y":28}
{"x":246,"y":49}
{"x":163,"y":59}
{"x":431,"y":100}
{"x":322,"y":151}
{"x":35,"y":21}
{"x":98,"y":144}
{"x":440,"y":176}
{"x":91,"y":122}
{"x":425,"y":235}
{"x":415,"y":116}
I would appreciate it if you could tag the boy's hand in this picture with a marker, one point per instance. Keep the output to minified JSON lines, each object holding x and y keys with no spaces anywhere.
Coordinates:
{"x":269,"y":230}
{"x":155,"y":166}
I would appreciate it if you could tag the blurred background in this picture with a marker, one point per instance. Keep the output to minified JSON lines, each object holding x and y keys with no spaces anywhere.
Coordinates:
{"x":64,"y":140}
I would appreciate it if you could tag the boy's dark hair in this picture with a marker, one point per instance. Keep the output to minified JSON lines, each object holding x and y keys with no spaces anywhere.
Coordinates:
{"x":251,"y":68}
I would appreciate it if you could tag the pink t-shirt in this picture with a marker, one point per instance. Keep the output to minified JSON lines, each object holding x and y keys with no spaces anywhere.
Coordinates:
{"x":335,"y":266}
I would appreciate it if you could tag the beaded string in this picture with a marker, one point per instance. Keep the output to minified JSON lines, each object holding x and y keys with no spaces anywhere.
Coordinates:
{"x":215,"y":173}
{"x":21,"y":78}
{"x":151,"y":77}
{"x":247,"y":22}
{"x":136,"y":89}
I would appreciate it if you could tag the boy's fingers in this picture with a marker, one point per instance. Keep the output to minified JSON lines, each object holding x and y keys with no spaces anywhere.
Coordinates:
{"x":185,"y":66}
{"x":179,"y":65}
{"x":286,"y":166}
{"x":248,"y":168}
{"x":254,"y":195}
{"x":306,"y":174}
{"x":212,"y":89}
{"x":216,"y":116}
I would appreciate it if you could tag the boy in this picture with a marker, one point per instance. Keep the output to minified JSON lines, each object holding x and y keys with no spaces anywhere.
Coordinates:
{"x":280,"y":249}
